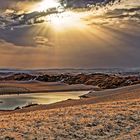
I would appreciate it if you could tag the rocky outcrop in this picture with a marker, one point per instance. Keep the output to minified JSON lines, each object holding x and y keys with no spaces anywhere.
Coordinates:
{"x":19,"y":77}
{"x":103,"y":81}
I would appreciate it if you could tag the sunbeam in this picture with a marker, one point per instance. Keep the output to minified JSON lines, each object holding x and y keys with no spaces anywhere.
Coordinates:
{"x":45,"y":4}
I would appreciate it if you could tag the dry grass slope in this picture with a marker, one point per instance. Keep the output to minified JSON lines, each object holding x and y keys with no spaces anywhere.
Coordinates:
{"x":118,"y":120}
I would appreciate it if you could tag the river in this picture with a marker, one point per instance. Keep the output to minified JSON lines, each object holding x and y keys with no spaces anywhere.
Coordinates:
{"x":10,"y":102}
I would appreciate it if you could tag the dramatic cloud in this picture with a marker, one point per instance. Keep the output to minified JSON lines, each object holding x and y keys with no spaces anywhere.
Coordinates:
{"x":106,"y":36}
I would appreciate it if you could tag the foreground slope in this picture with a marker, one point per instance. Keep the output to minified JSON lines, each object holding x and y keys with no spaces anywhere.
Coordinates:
{"x":110,"y":120}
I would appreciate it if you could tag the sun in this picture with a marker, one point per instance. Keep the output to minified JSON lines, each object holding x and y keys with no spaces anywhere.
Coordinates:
{"x":46,"y":4}
{"x":61,"y":20}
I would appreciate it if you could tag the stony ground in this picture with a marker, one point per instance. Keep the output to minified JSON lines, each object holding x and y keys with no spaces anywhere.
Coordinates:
{"x":118,"y":120}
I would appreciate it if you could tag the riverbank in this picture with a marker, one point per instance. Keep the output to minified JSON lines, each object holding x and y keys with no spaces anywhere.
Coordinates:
{"x":111,"y":95}
{"x":22,"y":87}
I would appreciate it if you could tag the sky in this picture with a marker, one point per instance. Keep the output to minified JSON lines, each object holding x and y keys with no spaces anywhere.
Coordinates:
{"x":107,"y":36}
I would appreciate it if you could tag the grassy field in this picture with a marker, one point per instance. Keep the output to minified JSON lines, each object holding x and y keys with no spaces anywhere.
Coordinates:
{"x":118,"y":120}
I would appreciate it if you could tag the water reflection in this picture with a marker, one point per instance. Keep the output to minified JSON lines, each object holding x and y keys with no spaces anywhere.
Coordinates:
{"x":10,"y":102}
